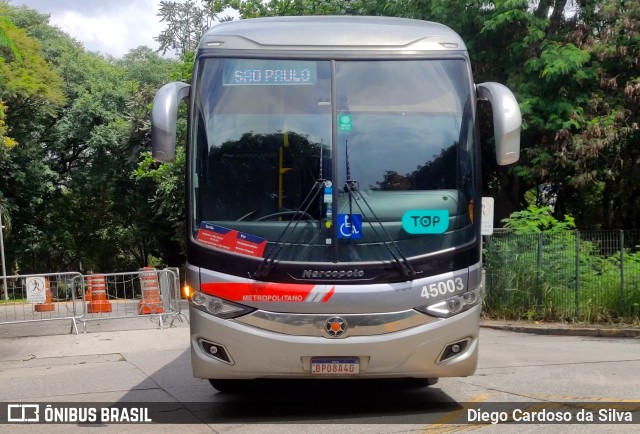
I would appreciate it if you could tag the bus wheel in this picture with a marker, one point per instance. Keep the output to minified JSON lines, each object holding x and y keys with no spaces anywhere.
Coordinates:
{"x":229,"y":386}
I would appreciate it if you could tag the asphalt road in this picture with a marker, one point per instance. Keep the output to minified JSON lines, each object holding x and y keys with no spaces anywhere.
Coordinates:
{"x":115,"y":364}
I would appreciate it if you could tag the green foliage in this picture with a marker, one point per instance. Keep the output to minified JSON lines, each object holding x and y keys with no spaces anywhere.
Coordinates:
{"x":183,"y":69}
{"x":73,"y":127}
{"x":186,"y":22}
{"x":561,"y":276}
{"x":559,"y":61}
{"x":5,"y":141}
{"x":536,"y":219}
{"x":28,"y":86}
{"x":80,"y":121}
{"x":272,"y":8}
{"x":168,"y":197}
{"x":143,"y":65}
{"x":7,"y":47}
{"x":166,"y":181}
{"x":576,"y":74}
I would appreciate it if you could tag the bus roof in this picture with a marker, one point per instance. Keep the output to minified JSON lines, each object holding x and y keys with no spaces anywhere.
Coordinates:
{"x":332,"y":33}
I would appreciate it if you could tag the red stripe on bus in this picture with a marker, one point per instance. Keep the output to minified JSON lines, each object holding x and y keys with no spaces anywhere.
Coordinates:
{"x":259,"y":292}
{"x":329,"y":294}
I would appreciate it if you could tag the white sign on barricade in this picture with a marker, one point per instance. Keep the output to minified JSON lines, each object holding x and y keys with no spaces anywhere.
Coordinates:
{"x":43,"y":297}
{"x":36,"y":290}
{"x":72,"y":296}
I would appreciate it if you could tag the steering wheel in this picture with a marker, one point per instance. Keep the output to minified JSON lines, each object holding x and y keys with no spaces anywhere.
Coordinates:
{"x":247,"y":215}
{"x":304,"y":214}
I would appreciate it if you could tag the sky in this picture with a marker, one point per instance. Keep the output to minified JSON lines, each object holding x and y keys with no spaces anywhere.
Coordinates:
{"x":109,"y":26}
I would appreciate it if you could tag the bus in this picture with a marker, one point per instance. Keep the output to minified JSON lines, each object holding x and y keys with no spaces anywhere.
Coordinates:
{"x":333,"y":198}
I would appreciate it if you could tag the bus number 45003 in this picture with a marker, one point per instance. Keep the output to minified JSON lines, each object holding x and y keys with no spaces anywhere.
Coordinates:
{"x":443,"y":287}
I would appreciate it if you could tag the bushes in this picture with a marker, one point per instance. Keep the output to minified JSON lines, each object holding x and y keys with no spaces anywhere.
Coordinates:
{"x":562,"y":274}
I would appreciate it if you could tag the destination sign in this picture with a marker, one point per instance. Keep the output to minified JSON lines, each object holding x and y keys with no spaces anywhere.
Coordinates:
{"x":256,"y":72}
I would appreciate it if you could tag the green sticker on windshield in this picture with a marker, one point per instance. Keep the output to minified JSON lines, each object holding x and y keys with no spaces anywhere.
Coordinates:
{"x":344,"y":122}
{"x":422,"y":221}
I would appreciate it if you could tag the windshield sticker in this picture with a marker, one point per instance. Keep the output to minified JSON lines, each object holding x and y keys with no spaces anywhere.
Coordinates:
{"x":426,"y":221}
{"x":231,"y":240}
{"x":344,"y":122}
{"x":350,"y":226}
{"x":328,"y":198}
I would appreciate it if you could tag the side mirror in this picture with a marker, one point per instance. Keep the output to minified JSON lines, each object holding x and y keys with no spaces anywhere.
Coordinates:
{"x":164,"y":117}
{"x":507,"y":120}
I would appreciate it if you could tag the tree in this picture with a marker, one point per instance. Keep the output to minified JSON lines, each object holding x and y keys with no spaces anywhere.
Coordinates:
{"x":167,"y":181}
{"x":575,"y":73}
{"x":536,"y":219}
{"x":272,"y":8}
{"x":6,"y":43}
{"x":145,"y":66}
{"x":30,"y":96}
{"x":68,"y":182}
{"x":186,"y":23}
{"x":574,"y":69}
{"x":27,"y":84}
{"x":73,"y":124}
{"x":7,"y":47}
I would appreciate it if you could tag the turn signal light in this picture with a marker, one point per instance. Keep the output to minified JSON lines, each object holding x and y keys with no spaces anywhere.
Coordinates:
{"x":186,"y":292}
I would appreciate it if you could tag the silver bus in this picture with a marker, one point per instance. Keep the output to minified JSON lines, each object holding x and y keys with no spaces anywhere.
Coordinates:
{"x":333,"y":198}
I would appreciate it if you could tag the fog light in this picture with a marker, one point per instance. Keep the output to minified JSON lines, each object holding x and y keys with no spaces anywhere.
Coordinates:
{"x":216,"y":351}
{"x":453,"y":349}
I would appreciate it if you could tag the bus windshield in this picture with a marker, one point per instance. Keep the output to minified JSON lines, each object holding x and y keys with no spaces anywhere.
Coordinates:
{"x":332,"y":161}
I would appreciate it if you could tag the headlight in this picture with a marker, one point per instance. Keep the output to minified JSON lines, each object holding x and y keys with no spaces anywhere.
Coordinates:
{"x":453,"y":305}
{"x":217,"y":306}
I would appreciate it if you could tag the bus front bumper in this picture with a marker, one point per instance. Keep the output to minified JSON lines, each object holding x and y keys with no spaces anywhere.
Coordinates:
{"x":241,"y":351}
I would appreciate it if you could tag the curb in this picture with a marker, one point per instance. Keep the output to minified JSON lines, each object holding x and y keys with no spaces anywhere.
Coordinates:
{"x":564,"y":330}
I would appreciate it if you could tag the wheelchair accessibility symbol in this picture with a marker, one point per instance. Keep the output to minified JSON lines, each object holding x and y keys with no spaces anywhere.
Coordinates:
{"x":350,"y":226}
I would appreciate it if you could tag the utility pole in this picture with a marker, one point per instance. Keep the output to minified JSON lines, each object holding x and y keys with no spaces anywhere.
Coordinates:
{"x":4,"y":269}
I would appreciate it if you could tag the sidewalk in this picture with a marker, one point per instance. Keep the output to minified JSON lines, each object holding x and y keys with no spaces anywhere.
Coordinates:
{"x":560,"y":329}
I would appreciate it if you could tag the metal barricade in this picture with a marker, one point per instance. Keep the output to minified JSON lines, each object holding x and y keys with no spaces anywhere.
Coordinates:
{"x":42,"y":297}
{"x":146,"y":293}
{"x":178,"y":285}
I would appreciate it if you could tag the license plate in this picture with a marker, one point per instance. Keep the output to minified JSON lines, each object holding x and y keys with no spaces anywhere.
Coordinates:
{"x":335,"y":366}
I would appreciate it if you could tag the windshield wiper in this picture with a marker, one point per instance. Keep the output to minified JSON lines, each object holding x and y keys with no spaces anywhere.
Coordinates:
{"x":352,"y":188}
{"x":268,"y":261}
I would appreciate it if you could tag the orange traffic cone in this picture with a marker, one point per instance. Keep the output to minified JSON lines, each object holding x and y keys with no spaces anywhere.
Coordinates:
{"x":98,"y":287}
{"x":150,"y":301}
{"x":47,"y":306}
